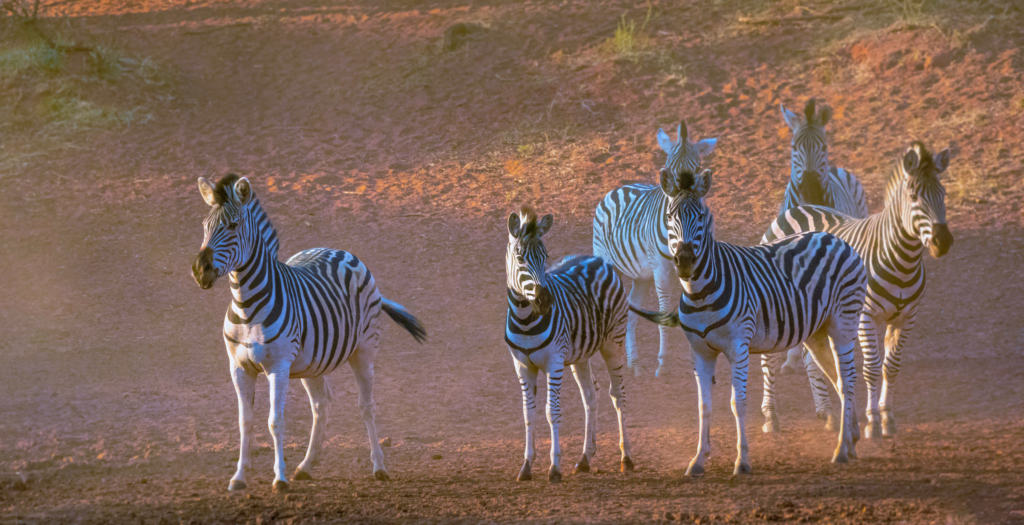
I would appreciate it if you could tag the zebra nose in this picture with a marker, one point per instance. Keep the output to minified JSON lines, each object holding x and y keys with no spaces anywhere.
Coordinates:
{"x":685,"y":258}
{"x":202,"y":268}
{"x":942,"y":240}
{"x":812,"y":191}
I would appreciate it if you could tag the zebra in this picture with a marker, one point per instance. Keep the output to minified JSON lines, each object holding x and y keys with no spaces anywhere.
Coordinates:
{"x":561,"y":316}
{"x":892,"y":244}
{"x":738,"y":300}
{"x":631,"y":232}
{"x":301,"y":318}
{"x":812,"y":180}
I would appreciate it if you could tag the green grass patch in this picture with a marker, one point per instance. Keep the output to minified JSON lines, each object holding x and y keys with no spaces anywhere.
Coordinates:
{"x":630,"y":39}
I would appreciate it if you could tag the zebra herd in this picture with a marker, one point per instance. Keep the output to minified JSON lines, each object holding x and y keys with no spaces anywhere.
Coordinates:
{"x":826,"y":279}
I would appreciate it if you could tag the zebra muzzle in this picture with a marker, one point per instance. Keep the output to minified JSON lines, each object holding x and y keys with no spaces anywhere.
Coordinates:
{"x":685,"y":259}
{"x":202,"y":269}
{"x":942,"y":240}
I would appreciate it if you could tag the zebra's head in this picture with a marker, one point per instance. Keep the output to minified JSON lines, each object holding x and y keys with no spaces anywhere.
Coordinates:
{"x":809,"y":153}
{"x":920,"y":197}
{"x":225,"y":229}
{"x":526,"y":258}
{"x":690,"y":225}
{"x":684,"y":157}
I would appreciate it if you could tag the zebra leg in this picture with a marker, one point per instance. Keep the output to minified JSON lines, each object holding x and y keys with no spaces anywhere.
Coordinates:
{"x":615,"y":361}
{"x":361,"y":362}
{"x":245,"y":388}
{"x":703,"y":370}
{"x":665,"y":286}
{"x":819,"y":392}
{"x":588,"y":391}
{"x":528,"y":383}
{"x":867,"y":332}
{"x":278,"y":395}
{"x":769,"y":368}
{"x":554,"y":413}
{"x":317,"y":390}
{"x":821,"y":352}
{"x":895,"y":337}
{"x":740,"y":369}
{"x":638,"y":293}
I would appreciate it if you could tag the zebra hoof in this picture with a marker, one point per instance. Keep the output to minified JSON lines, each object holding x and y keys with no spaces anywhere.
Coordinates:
{"x":554,"y":475}
{"x":695,"y":471}
{"x":301,"y":475}
{"x":830,"y":421}
{"x":280,"y":487}
{"x":381,"y":475}
{"x":873,"y":430}
{"x":840,"y":458}
{"x":742,"y":469}
{"x":771,"y":425}
{"x":524,"y":473}
{"x":236,"y":484}
{"x":583,"y":465}
{"x":888,"y":426}
{"x":626,"y":465}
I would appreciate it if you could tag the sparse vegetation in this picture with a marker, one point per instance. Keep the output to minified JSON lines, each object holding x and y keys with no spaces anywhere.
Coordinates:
{"x":630,"y":39}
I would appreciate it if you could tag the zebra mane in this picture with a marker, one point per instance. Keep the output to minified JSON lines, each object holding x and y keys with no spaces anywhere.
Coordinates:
{"x":528,"y":221}
{"x":225,"y":188}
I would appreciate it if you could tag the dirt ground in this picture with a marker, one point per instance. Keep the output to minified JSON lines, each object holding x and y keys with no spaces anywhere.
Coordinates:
{"x":360,"y":132}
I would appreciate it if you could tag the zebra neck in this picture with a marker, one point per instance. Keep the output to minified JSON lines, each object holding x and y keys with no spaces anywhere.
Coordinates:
{"x":909,"y":244}
{"x":254,"y":284}
{"x":519,"y":306}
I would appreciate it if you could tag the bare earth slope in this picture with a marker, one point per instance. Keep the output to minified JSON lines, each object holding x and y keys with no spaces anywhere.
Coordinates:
{"x":361,"y":133}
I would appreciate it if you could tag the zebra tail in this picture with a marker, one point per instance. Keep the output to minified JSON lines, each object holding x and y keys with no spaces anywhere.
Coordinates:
{"x":402,"y":316}
{"x":669,"y":318}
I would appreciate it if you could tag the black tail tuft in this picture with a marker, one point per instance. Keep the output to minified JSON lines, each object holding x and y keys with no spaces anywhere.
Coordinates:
{"x":669,"y":318}
{"x":402,"y":316}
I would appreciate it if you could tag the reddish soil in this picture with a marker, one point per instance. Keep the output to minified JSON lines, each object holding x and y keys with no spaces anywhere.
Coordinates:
{"x":361,"y":133}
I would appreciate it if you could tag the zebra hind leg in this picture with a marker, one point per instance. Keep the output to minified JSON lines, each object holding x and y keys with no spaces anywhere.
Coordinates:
{"x":769,"y":370}
{"x":361,"y":362}
{"x":319,"y":400}
{"x":819,"y":391}
{"x":585,"y":380}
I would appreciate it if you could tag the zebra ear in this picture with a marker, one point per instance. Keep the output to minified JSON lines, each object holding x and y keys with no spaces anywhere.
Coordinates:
{"x":824,"y":116}
{"x":791,"y":119}
{"x":513,"y":224}
{"x":208,"y":192}
{"x":664,"y":141}
{"x":910,"y":160}
{"x":941,"y":160}
{"x":705,"y":147}
{"x":243,"y":191}
{"x":668,"y":183}
{"x":702,"y":183}
{"x":544,"y":224}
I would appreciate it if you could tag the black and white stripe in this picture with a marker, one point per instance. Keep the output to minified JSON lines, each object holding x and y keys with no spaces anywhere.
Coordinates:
{"x":892,"y":244}
{"x":631,"y":232}
{"x":740,"y":300}
{"x":561,"y":316}
{"x":297,"y":319}
{"x":812,"y":180}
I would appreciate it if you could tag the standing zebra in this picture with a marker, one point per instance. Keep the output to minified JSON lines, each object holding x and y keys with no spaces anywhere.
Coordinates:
{"x":561,"y":316}
{"x":631,"y":232}
{"x":740,"y":300}
{"x":811,"y":181}
{"x":892,"y":244}
{"x":301,"y":318}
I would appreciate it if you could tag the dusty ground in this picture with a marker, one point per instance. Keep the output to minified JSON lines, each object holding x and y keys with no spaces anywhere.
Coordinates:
{"x":361,"y":133}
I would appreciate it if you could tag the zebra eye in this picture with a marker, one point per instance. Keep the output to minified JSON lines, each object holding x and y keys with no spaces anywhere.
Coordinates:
{"x":913,"y":197}
{"x":232,"y":225}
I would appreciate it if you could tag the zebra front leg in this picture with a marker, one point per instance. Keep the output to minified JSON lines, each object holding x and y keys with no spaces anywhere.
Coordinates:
{"x":867,"y":333}
{"x":361,"y":362}
{"x":769,"y":369}
{"x":528,"y":384}
{"x":667,"y":289}
{"x":895,"y":337}
{"x":245,"y":388}
{"x":317,"y":390}
{"x":819,"y":392}
{"x":704,"y":371}
{"x":278,"y":378}
{"x":581,"y":371}
{"x":638,"y":293}
{"x":554,"y":413}
{"x":615,"y":361}
{"x":740,"y":368}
